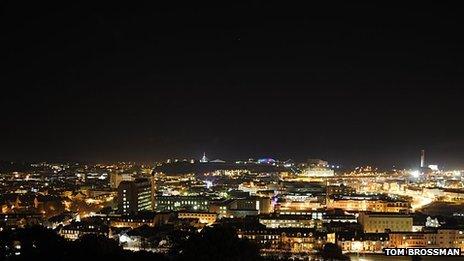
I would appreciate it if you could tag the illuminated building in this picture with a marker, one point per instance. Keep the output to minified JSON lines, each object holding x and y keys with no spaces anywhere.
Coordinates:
{"x":204,"y":159}
{"x":297,"y":206}
{"x":450,"y":238}
{"x":219,"y":207}
{"x":203,"y":217}
{"x":298,"y":187}
{"x":453,"y":194}
{"x":267,"y":161}
{"x":116,"y":178}
{"x":255,"y":188}
{"x":301,"y":197}
{"x":317,"y":168}
{"x":441,"y":237}
{"x":134,"y":196}
{"x":422,"y":159}
{"x":284,"y":240}
{"x":380,"y":222}
{"x":176,"y":203}
{"x":339,"y":216}
{"x":369,"y":203}
{"x":313,"y":214}
{"x":262,"y":205}
{"x":289,"y":221}
{"x":430,"y":222}
{"x":413,"y":239}
{"x":242,"y":207}
{"x":133,"y":221}
{"x":340,"y":190}
{"x":362,"y":242}
{"x":317,"y":163}
{"x":75,"y":230}
{"x":318,"y":173}
{"x":47,"y":205}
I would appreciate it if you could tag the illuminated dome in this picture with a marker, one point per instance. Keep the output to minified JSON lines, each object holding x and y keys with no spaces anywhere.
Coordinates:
{"x":266,"y":161}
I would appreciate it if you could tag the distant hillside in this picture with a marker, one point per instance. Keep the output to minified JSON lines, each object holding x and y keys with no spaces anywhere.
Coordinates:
{"x":187,"y":167}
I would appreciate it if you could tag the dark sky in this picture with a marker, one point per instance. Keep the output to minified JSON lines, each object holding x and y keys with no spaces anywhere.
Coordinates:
{"x":353,"y":84}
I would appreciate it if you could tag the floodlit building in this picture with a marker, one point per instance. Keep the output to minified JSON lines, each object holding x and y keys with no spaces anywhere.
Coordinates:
{"x":289,"y":221}
{"x":362,"y":242}
{"x":203,"y":217}
{"x":381,"y":222}
{"x":284,"y":240}
{"x":441,"y":237}
{"x":369,"y":203}
{"x":317,"y":168}
{"x":117,"y":178}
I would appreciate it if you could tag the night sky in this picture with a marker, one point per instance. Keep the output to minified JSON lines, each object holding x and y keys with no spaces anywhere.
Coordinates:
{"x":353,"y":84}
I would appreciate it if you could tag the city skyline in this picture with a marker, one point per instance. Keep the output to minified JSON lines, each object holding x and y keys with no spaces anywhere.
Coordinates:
{"x":264,"y":130}
{"x":417,"y":164}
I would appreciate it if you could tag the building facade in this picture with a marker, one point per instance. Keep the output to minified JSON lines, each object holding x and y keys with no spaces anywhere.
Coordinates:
{"x":177,"y":203}
{"x":381,"y":222}
{"x":358,"y":204}
{"x":203,"y":217}
{"x":135,"y":196}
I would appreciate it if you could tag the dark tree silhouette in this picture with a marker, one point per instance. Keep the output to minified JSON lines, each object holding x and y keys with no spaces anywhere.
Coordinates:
{"x":35,"y":243}
{"x":93,"y":247}
{"x":333,"y":252}
{"x":38,"y":243}
{"x":98,"y":247}
{"x":218,"y":243}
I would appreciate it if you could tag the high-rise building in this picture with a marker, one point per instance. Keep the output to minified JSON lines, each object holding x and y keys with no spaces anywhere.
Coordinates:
{"x":135,"y":196}
{"x":422,"y":159}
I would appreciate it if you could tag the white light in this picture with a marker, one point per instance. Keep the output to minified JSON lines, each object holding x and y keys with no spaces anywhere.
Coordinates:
{"x":415,"y":173}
